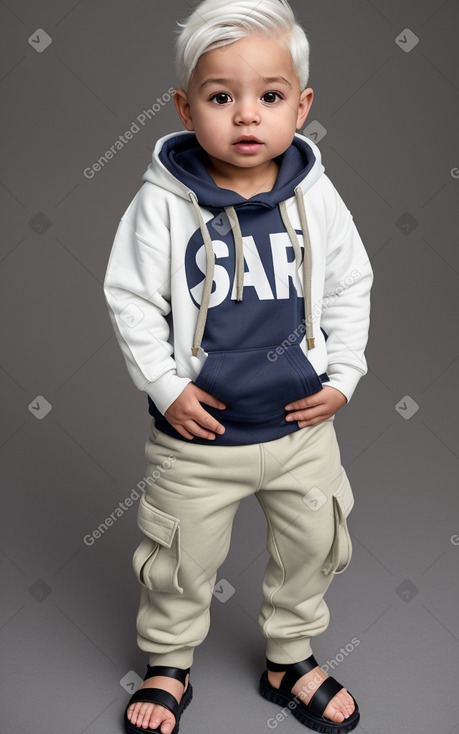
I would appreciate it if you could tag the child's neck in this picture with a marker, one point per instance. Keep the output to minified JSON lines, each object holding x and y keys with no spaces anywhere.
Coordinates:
{"x":245,"y":181}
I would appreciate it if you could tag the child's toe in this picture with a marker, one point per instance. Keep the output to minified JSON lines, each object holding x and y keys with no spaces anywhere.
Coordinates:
{"x":340,"y":707}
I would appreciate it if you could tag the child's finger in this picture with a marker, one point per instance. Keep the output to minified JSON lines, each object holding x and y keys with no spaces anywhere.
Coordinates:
{"x":208,"y":399}
{"x":182,"y":430}
{"x":306,"y":415}
{"x":312,"y":422}
{"x":208,"y":422}
{"x":192,"y":429}
{"x":297,"y":416}
{"x":298,"y":404}
{"x":201,"y":431}
{"x":311,"y":401}
{"x":303,"y":411}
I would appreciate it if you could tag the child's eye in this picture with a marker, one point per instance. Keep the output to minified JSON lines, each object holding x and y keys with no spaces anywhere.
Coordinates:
{"x":271,"y":97}
{"x":221,"y":98}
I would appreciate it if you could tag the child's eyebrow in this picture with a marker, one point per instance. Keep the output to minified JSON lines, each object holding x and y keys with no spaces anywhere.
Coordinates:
{"x":276,"y":80}
{"x":215,"y":81}
{"x":265,"y":80}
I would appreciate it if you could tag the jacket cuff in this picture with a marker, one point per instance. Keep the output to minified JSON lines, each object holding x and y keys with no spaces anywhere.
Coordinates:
{"x":344,"y":378}
{"x":165,"y":389}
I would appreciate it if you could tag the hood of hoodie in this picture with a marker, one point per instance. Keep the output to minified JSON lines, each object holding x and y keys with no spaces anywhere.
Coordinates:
{"x":179,"y":166}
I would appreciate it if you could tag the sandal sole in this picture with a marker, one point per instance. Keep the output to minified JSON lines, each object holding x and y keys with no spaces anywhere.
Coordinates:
{"x":300,"y":711}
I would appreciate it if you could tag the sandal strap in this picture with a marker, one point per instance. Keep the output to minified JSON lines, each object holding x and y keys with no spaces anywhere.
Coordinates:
{"x":176,"y":673}
{"x":324,"y":695}
{"x":293,"y":671}
{"x":157,"y":695}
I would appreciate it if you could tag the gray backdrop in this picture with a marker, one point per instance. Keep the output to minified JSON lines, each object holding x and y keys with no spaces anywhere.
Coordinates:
{"x":75,"y":76}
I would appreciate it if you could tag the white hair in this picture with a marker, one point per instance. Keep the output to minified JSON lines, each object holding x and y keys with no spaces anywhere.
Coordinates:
{"x":216,"y":23}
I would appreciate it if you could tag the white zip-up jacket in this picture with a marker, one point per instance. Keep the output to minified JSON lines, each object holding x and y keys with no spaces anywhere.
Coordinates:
{"x":258,"y":301}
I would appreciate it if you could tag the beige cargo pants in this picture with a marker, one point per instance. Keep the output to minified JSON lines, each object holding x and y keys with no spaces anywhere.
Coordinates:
{"x":187,"y":513}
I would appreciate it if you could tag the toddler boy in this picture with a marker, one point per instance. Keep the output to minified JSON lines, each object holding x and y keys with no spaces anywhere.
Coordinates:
{"x":239,"y":291}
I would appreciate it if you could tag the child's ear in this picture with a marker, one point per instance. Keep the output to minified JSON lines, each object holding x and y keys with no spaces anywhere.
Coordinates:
{"x":304,"y":106}
{"x":183,"y":108}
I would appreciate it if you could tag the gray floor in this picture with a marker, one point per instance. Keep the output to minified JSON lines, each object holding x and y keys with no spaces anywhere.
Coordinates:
{"x":67,"y":637}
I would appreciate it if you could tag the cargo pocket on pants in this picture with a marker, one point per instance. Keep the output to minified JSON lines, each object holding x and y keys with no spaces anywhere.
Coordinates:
{"x":340,"y":553}
{"x":156,"y":561}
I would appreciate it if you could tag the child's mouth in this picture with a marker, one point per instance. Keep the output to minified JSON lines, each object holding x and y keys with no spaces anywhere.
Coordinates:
{"x":248,"y":144}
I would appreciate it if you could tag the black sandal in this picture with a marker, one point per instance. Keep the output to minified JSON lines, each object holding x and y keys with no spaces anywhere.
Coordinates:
{"x":308,"y":714}
{"x":162,"y":698}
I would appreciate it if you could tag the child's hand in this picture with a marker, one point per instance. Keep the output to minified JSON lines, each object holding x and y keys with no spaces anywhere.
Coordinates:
{"x":316,"y":408}
{"x":189,"y":418}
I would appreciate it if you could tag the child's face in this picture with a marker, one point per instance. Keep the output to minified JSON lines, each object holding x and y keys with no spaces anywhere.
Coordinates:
{"x":246,"y":89}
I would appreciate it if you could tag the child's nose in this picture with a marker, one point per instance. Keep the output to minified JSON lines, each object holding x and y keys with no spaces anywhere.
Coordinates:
{"x":246,"y":113}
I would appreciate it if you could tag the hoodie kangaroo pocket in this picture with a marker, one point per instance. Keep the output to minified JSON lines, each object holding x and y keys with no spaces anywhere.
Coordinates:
{"x":340,"y":553}
{"x":156,"y":561}
{"x":258,"y":383}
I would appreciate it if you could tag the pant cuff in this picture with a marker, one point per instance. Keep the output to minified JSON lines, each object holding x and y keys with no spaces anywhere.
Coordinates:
{"x":179,"y":659}
{"x":288,"y":651}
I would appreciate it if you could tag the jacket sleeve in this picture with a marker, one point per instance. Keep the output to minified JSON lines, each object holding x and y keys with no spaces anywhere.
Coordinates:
{"x":346,"y":303}
{"x":137,"y":292}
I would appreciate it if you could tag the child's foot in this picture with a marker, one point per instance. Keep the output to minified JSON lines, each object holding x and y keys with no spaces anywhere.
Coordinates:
{"x":152,"y":715}
{"x":341,"y":705}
